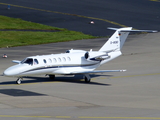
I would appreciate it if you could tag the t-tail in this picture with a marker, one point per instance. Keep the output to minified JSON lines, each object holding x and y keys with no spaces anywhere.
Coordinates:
{"x":115,"y":43}
{"x":117,"y":40}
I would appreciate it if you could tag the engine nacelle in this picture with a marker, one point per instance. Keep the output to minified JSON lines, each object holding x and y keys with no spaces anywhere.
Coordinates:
{"x":96,"y":56}
{"x":75,"y":51}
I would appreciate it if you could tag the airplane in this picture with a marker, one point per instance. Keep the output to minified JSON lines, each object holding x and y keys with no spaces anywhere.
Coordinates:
{"x":72,"y":62}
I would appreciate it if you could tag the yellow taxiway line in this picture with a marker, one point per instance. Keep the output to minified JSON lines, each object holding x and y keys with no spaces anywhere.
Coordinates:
{"x":155,"y":0}
{"x":94,"y":18}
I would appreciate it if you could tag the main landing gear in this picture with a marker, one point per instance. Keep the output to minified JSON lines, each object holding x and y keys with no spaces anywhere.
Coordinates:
{"x":52,"y":77}
{"x":19,"y":81}
{"x":87,"y":78}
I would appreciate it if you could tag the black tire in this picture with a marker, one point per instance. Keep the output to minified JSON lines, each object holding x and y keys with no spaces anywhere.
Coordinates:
{"x":87,"y":80}
{"x":52,"y":77}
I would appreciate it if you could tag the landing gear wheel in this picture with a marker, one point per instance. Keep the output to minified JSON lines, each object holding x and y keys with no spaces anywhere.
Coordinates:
{"x":52,"y":77}
{"x":18,"y":81}
{"x":87,"y":80}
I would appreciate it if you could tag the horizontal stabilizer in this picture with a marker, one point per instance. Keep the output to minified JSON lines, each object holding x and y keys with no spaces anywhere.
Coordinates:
{"x":151,"y":31}
{"x":121,"y":30}
{"x":112,"y":28}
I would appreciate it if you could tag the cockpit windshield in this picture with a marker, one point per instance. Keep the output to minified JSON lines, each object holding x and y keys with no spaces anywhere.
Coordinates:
{"x":27,"y":61}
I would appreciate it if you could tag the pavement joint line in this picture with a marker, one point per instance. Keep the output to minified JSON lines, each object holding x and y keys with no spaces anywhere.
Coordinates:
{"x":80,"y":117}
{"x":136,"y":75}
{"x":94,"y":18}
{"x":149,"y":118}
{"x":23,"y":116}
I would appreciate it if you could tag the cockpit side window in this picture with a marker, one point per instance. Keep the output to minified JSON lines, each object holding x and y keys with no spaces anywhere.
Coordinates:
{"x":36,"y":62}
{"x":28,"y":61}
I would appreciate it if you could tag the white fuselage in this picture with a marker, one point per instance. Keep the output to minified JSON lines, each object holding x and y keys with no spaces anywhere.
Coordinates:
{"x":65,"y":63}
{"x":53,"y":64}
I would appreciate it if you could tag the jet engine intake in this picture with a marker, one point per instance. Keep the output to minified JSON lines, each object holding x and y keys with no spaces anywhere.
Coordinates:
{"x":86,"y":55}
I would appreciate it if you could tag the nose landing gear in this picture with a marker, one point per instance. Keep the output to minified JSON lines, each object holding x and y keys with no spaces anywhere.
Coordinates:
{"x":19,"y":81}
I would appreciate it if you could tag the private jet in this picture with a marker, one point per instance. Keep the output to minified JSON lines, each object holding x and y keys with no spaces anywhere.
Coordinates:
{"x":72,"y":62}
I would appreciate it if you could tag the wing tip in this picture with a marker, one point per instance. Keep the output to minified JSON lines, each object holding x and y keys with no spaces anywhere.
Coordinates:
{"x":123,"y":70}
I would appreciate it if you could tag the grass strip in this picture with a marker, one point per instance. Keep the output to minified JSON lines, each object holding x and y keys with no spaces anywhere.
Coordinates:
{"x":23,"y":38}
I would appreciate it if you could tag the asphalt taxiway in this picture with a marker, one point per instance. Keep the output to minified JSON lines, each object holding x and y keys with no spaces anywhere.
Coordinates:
{"x":76,"y":15}
{"x":133,"y":94}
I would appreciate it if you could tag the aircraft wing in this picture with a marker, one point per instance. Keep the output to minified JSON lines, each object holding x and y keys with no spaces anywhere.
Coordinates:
{"x":97,"y":71}
{"x":16,"y":61}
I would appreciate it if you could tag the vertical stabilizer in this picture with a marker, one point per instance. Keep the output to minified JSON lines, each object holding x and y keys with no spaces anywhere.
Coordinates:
{"x":116,"y":41}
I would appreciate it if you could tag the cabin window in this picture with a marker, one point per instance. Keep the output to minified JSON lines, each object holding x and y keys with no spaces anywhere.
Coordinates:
{"x":68,"y":58}
{"x":54,"y":60}
{"x":50,"y":60}
{"x":28,"y":61}
{"x":36,"y":62}
{"x":59,"y":59}
{"x":64,"y":59}
{"x":44,"y":61}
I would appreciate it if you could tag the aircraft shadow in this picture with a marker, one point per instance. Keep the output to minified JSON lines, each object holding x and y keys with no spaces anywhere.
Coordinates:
{"x":76,"y":79}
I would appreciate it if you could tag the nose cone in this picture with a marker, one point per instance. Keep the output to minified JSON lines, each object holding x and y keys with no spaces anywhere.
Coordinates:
{"x":7,"y":72}
{"x":11,"y":71}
